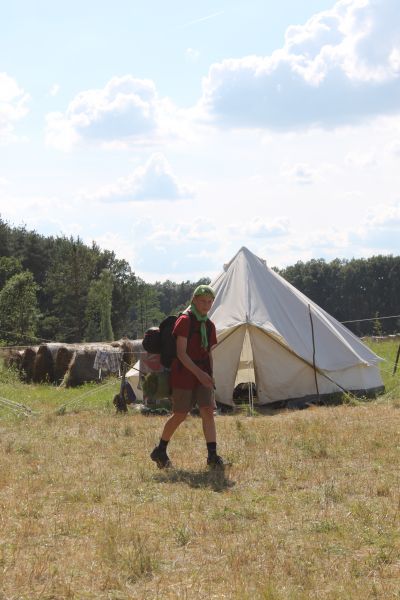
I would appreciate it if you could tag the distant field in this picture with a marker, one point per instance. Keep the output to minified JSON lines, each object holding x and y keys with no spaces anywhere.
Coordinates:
{"x":309,"y":508}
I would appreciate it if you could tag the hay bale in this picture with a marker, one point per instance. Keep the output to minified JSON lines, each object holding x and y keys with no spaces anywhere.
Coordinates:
{"x":27,"y":363}
{"x":13,"y":359}
{"x":80,"y":369}
{"x":61,"y":362}
{"x":54,"y":348}
{"x":132,"y":349}
{"x":43,"y":366}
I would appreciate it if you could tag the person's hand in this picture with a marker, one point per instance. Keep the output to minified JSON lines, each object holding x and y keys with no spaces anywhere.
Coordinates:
{"x":206,"y":380}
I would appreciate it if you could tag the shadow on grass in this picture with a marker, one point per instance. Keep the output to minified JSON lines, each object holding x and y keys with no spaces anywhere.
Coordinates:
{"x":217,"y":480}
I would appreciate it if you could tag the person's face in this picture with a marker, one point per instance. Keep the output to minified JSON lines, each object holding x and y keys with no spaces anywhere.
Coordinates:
{"x":203,"y":303}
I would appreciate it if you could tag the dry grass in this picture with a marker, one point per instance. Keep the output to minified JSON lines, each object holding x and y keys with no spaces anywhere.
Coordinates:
{"x":309,"y":508}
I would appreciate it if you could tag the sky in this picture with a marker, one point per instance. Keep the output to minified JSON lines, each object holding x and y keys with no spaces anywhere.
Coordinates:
{"x":174,"y":133}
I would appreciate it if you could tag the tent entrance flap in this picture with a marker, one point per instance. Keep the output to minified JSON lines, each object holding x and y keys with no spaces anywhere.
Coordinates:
{"x":245,"y":372}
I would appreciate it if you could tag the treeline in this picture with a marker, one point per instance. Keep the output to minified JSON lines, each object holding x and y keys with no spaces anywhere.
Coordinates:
{"x":60,"y":289}
{"x":353,"y":290}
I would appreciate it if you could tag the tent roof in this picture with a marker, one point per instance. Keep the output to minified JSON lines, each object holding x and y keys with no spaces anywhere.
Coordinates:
{"x":248,"y":292}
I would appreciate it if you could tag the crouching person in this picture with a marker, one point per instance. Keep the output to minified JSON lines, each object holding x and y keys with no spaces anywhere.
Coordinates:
{"x":191,"y":376}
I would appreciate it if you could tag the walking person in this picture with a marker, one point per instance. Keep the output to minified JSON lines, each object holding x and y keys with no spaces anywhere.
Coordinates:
{"x":191,"y":376}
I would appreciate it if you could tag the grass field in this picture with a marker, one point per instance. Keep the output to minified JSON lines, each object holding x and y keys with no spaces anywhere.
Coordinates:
{"x":308,"y":508}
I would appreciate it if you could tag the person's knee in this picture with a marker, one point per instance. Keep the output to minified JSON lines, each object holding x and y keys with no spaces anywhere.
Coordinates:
{"x":207,"y":413}
{"x":180,"y":416}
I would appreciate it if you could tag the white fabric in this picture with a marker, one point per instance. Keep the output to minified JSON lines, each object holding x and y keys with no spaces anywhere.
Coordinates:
{"x":133,"y":377}
{"x":263,"y":326}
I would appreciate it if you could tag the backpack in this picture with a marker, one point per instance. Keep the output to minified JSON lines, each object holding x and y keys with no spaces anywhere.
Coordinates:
{"x":159,"y":340}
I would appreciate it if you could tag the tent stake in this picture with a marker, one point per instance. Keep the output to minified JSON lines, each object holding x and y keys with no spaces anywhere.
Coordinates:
{"x":313,"y":343}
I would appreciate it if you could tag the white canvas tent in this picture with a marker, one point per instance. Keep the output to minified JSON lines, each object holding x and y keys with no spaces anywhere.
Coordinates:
{"x":270,"y":333}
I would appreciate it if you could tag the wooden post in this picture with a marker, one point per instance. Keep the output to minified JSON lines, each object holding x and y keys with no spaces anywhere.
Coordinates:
{"x":397,"y":360}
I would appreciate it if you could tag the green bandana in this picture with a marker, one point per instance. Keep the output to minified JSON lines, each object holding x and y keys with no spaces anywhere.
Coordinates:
{"x":203,"y":328}
{"x":204,"y":290}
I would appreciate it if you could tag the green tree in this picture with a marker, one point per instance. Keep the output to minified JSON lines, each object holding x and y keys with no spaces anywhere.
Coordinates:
{"x":377,"y":326}
{"x":5,"y":238}
{"x":67,"y":285}
{"x":19,"y":309}
{"x":9,"y":266}
{"x":148,"y":312}
{"x":98,"y":311}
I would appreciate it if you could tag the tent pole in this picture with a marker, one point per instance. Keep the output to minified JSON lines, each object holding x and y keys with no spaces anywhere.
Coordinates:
{"x":249,"y":383}
{"x":313,"y":343}
{"x":397,"y":360}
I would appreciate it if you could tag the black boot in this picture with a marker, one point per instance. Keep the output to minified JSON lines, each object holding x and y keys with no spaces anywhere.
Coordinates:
{"x":215,"y":462}
{"x":160,"y":457}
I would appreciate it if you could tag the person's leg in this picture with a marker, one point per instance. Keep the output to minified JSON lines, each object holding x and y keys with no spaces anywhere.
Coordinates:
{"x":205,"y":401}
{"x":181,"y":402}
{"x":172,"y":425}
{"x":207,"y":416}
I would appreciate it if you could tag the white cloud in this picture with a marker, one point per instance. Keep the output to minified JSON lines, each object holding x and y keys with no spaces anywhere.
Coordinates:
{"x":192,"y":55}
{"x":361,"y":160}
{"x":60,"y":132}
{"x":300,"y":173}
{"x":260,"y":228}
{"x":376,"y":232}
{"x":342,"y":66}
{"x":395,"y":148}
{"x":55,"y":88}
{"x":203,"y":235}
{"x":384,"y":217}
{"x":123,"y":248}
{"x":126,"y":110}
{"x":200,"y":229}
{"x":13,"y":106}
{"x":202,"y":246}
{"x":152,"y":181}
{"x":49,"y":215}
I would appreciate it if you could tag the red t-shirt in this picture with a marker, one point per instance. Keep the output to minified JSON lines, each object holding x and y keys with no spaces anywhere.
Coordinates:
{"x":181,"y":377}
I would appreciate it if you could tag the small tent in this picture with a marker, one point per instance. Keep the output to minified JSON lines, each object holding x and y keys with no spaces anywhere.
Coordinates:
{"x":271,"y":334}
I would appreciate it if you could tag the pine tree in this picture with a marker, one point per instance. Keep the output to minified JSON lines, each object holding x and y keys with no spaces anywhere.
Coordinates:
{"x":67,"y":284}
{"x":19,"y":309}
{"x":98,"y":311}
{"x":9,"y":266}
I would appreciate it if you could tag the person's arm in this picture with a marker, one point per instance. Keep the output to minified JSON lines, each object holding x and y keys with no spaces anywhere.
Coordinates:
{"x":181,"y":352}
{"x":211,"y":358}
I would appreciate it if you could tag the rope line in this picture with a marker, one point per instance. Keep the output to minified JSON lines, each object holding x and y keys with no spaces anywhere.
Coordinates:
{"x":16,"y":407}
{"x":38,"y":339}
{"x":372,"y":319}
{"x":63,"y":407}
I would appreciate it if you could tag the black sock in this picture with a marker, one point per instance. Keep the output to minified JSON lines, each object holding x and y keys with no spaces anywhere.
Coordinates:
{"x":163,"y":444}
{"x":212,"y":448}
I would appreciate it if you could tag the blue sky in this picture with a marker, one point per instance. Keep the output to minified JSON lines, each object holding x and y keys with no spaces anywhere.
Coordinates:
{"x":175,"y":133}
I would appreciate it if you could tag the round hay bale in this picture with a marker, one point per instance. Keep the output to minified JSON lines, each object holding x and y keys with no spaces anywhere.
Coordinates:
{"x":80,"y":369}
{"x":43,"y":367}
{"x":54,"y":348}
{"x":132,"y":349}
{"x":13,"y":359}
{"x":27,"y":364}
{"x":63,"y":358}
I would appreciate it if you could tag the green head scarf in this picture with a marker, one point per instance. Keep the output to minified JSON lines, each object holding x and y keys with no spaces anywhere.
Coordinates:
{"x":202,"y":290}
